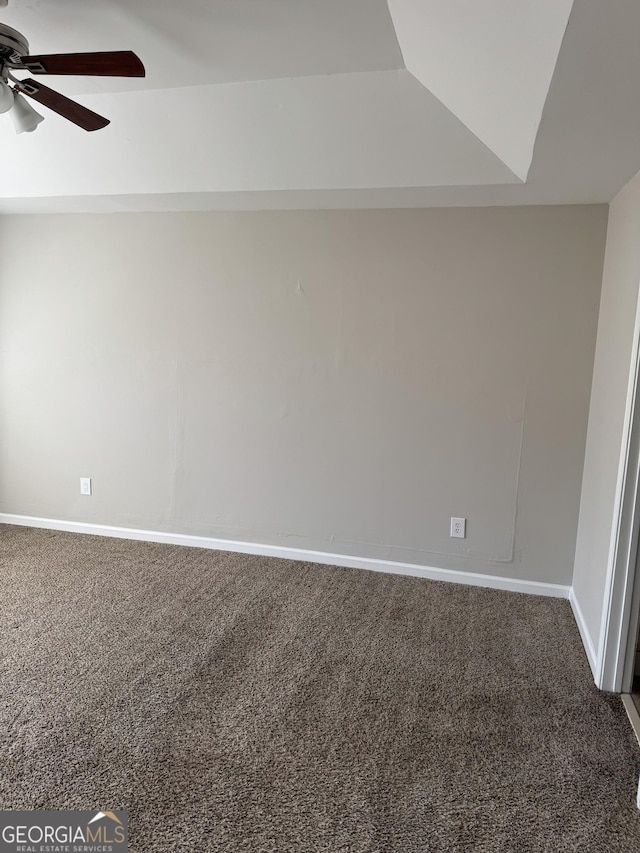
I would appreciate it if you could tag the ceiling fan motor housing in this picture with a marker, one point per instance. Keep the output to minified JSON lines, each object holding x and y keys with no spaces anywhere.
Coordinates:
{"x":12,"y":44}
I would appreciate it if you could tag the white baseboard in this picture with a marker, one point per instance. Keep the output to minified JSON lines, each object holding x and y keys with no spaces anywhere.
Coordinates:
{"x":388,"y":566}
{"x":634,"y":719}
{"x":585,"y":635}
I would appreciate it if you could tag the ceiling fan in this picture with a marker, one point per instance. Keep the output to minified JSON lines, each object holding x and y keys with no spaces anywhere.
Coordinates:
{"x":14,"y":57}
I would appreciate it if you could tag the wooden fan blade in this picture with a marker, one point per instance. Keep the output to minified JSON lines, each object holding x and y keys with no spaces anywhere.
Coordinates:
{"x":65,"y":107}
{"x":111,"y":63}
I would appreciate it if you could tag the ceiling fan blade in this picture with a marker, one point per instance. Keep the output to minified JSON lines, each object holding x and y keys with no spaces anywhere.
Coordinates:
{"x":111,"y":63}
{"x":65,"y":107}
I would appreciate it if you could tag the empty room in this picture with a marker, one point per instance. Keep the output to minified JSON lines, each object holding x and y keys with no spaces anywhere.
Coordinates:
{"x":319,"y":444}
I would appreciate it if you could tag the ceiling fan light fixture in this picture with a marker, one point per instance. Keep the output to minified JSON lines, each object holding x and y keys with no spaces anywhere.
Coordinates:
{"x":6,"y":97}
{"x":15,"y":56}
{"x":25,"y":118}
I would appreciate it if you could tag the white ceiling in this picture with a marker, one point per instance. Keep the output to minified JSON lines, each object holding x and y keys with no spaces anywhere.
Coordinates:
{"x":196,"y":42}
{"x":490,"y":62}
{"x":253,"y":104}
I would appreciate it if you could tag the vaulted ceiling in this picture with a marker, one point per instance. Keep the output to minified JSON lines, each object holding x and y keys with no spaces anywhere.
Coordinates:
{"x":334,"y":103}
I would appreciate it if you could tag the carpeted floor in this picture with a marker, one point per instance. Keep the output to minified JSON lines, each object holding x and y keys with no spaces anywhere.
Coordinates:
{"x":236,"y":703}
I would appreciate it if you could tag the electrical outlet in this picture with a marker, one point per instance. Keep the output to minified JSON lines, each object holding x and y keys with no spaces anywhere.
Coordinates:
{"x":458,"y":528}
{"x":85,"y":485}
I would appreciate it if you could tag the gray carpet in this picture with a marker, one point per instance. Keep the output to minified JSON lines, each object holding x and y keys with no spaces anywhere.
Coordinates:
{"x":236,"y":703}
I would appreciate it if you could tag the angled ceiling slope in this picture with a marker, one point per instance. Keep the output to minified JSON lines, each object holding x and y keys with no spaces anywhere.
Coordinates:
{"x":252,"y":104}
{"x":490,"y":63}
{"x":259,"y":95}
{"x":200,"y":42}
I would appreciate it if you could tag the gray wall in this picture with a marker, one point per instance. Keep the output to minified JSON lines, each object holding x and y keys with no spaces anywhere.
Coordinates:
{"x":621,"y":280}
{"x":342,"y":381}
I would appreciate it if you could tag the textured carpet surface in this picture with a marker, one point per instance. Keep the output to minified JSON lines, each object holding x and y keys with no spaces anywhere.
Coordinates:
{"x":235,"y":703}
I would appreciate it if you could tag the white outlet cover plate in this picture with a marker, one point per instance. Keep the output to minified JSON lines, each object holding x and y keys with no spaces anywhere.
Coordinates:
{"x":458,"y":528}
{"x":85,"y":485}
